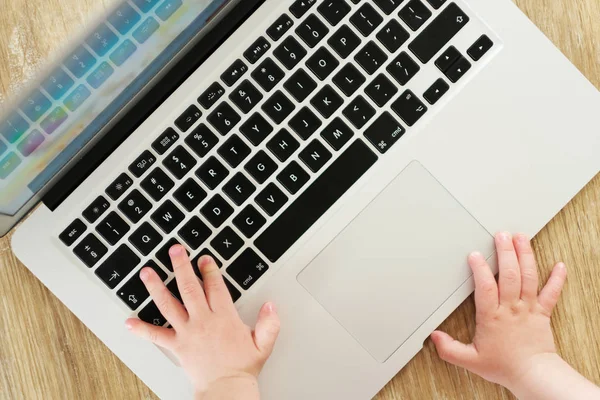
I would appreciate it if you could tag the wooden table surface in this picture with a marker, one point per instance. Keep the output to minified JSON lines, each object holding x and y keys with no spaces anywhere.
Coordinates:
{"x":46,"y":353}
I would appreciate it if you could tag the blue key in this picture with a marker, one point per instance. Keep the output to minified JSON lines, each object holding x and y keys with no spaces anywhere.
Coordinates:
{"x":168,"y":8}
{"x":102,"y":40}
{"x":14,"y":127}
{"x":80,"y":62}
{"x":30,"y":143}
{"x":9,"y":164}
{"x":145,"y":5}
{"x":35,"y":105}
{"x":123,"y":52}
{"x":3,"y":147}
{"x":77,"y":97}
{"x":145,"y":30}
{"x":58,"y":84}
{"x":124,"y":18}
{"x":100,"y":75}
{"x":54,"y":120}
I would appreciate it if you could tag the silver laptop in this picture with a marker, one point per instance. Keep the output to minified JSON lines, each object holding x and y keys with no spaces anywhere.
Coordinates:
{"x":338,"y":157}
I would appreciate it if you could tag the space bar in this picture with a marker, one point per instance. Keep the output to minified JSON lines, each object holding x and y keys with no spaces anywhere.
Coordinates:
{"x":316,"y":200}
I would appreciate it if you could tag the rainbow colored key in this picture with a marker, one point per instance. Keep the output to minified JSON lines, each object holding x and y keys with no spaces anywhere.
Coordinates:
{"x":35,"y":105}
{"x":77,"y":97}
{"x":100,"y":75}
{"x":30,"y":143}
{"x":123,"y":52}
{"x":58,"y":84}
{"x":8,"y":164}
{"x":145,"y":30}
{"x":54,"y":120}
{"x":80,"y":62}
{"x":102,"y":40}
{"x":13,"y":127}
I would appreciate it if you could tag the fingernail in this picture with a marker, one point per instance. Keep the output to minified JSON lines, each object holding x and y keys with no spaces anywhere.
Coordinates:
{"x":561,"y":265}
{"x":144,"y":275}
{"x":522,"y":238}
{"x":204,"y":260}
{"x":475,"y":255}
{"x":504,"y":236}
{"x":271,"y":307}
{"x":176,"y":250}
{"x":128,"y":326}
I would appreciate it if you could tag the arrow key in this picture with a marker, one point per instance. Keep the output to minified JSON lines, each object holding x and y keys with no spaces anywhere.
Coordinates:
{"x":436,"y":91}
{"x":447,"y":58}
{"x":480,"y":47}
{"x":458,"y":69}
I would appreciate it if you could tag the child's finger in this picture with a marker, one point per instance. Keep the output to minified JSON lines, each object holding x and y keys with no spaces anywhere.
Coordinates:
{"x":551,"y":292}
{"x":217,"y":294}
{"x":486,"y":289}
{"x":168,"y":306}
{"x":266,"y":330}
{"x":453,"y":351}
{"x":529,"y":276}
{"x":191,"y":292}
{"x":156,"y":334}
{"x":509,"y":281}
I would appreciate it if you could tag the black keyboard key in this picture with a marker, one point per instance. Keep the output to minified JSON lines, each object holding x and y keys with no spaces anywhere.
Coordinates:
{"x":202,"y":140}
{"x":271,"y":199}
{"x":458,"y":69}
{"x":246,"y":96}
{"x":90,"y":250}
{"x":299,"y":216}
{"x":174,"y":289}
{"x":305,"y":123}
{"x":257,"y":50}
{"x":436,"y":91}
{"x":134,"y":293}
{"x":334,"y":10}
{"x":366,"y":19}
{"x":239,"y":188}
{"x":152,"y":315}
{"x":73,"y":232}
{"x":349,"y":79}
{"x":388,"y":6}
{"x":278,"y":107}
{"x":119,"y":186}
{"x":145,"y":238}
{"x":327,"y":101}
{"x":249,"y":221}
{"x":315,"y":155}
{"x":235,"y":294}
{"x":96,"y":209}
{"x":234,"y":73}
{"x":117,"y":266}
{"x":447,"y":58}
{"x":157,"y":184}
{"x":436,"y":3}
{"x":384,"y":132}
{"x":261,"y":167}
{"x":438,"y":33}
{"x":300,"y":85}
{"x":204,"y":252}
{"x":312,"y":30}
{"x":247,"y":269}
{"x":381,"y":90}
{"x":290,"y":52}
{"x":190,"y":194}
{"x":415,"y":14}
{"x":112,"y":228}
{"x":337,"y":134}
{"x":256,"y":129}
{"x":359,"y":112}
{"x":163,"y":254}
{"x":142,"y":164}
{"x":188,"y":118}
{"x":268,"y":74}
{"x":211,"y":95}
{"x":301,"y":7}
{"x":283,"y":145}
{"x":179,"y":162}
{"x":280,"y":27}
{"x":403,"y":68}
{"x":168,"y":216}
{"x":234,"y":151}
{"x":293,"y":177}
{"x":393,"y":35}
{"x":195,"y":233}
{"x":344,"y":41}
{"x":227,"y":243}
{"x":322,"y":63}
{"x":480,"y":47}
{"x":216,"y":211}
{"x":212,"y":172}
{"x":371,"y":57}
{"x":135,"y":206}
{"x":409,"y":108}
{"x":224,"y":118}
{"x":165,"y":141}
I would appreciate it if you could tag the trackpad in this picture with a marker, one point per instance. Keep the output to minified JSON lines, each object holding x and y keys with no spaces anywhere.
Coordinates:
{"x":397,"y":262}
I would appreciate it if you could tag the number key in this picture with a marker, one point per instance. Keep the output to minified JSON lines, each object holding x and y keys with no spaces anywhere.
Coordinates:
{"x":135,"y":206}
{"x":112,"y":228}
{"x":90,"y":250}
{"x":268,"y":74}
{"x":246,"y":96}
{"x":202,"y":140}
{"x":312,"y":30}
{"x":157,"y":184}
{"x":290,"y":52}
{"x":224,"y":118}
{"x":179,"y":162}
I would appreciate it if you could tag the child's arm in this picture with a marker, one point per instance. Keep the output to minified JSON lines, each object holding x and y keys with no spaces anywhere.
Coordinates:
{"x":220,"y":354}
{"x":513,"y":344}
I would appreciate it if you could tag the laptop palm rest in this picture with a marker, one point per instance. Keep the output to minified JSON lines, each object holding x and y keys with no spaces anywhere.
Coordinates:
{"x":397,"y":262}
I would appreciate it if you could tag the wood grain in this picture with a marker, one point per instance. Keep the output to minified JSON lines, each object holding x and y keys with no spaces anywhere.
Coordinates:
{"x":46,"y":353}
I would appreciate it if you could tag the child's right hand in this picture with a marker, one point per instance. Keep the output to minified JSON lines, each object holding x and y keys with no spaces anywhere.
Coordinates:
{"x":513,"y":335}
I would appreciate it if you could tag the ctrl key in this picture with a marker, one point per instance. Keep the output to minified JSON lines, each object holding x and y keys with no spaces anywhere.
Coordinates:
{"x":247,"y":269}
{"x":384,"y":132}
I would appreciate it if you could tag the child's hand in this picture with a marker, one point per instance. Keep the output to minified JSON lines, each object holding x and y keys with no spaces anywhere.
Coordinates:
{"x":221,"y":355}
{"x":513,"y":334}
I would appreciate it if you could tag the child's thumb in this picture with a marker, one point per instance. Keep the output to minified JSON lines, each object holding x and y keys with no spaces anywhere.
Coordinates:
{"x":453,"y":351}
{"x":267,"y":329}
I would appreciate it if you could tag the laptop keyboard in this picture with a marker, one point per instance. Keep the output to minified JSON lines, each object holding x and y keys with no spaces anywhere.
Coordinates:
{"x":245,"y":172}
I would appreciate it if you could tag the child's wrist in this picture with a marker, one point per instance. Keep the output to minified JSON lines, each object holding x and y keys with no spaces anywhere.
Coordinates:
{"x":238,"y":387}
{"x":530,"y":377}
